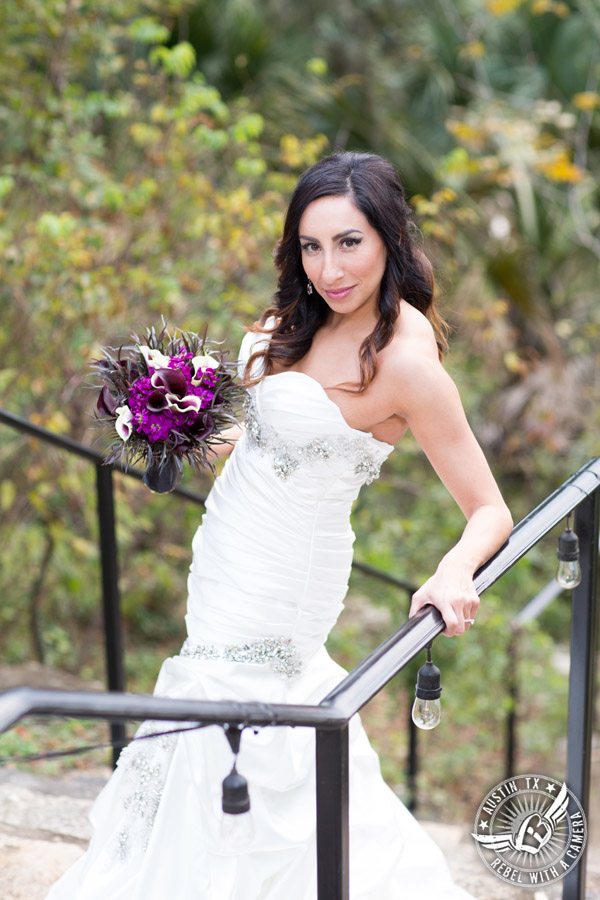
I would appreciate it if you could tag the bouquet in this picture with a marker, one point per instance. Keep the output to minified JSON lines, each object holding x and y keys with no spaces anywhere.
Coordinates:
{"x":166,"y":399}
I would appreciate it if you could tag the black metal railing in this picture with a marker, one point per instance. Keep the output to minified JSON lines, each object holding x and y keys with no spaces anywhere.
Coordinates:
{"x":109,"y":567}
{"x":330,"y":718}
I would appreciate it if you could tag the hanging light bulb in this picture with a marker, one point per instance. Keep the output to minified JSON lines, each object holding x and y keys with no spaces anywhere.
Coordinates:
{"x":237,"y":824}
{"x":568,"y":573}
{"x":427,"y":709}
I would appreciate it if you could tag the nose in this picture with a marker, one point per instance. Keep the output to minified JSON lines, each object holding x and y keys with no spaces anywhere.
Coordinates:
{"x":331,"y":270}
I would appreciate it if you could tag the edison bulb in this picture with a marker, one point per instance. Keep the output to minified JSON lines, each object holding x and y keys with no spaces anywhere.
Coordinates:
{"x":237,"y":831}
{"x":568,"y":573}
{"x":426,"y":714}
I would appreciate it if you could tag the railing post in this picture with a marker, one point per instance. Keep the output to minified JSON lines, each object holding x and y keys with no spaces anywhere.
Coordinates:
{"x":412,"y":769}
{"x":584,"y":622}
{"x":512,"y":687}
{"x":110,"y":594}
{"x":333,"y":861}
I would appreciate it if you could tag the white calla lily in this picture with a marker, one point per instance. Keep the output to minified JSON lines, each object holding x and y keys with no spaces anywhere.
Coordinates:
{"x":202,"y":362}
{"x":154,"y":358}
{"x":123,"y":424}
{"x":184,"y":404}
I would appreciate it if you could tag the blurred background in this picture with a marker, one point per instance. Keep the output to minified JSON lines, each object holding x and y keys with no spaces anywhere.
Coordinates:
{"x":147,"y":152}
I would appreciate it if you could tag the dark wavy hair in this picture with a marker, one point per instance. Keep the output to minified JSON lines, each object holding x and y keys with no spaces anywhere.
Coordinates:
{"x":372,"y":184}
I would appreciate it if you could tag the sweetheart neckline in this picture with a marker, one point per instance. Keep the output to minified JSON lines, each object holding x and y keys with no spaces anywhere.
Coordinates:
{"x":368,"y":434}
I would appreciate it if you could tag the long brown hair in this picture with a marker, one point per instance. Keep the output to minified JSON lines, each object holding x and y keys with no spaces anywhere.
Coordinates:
{"x":372,"y":184}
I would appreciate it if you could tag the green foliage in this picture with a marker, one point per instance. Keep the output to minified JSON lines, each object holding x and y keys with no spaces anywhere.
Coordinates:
{"x":33,"y":736}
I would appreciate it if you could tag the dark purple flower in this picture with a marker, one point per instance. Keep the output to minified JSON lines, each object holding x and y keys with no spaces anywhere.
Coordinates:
{"x":157,"y":401}
{"x":202,"y":427}
{"x":106,"y":404}
{"x":172,"y":380}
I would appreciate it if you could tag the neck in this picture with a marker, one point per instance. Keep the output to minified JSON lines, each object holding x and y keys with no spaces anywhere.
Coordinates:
{"x":363,"y":320}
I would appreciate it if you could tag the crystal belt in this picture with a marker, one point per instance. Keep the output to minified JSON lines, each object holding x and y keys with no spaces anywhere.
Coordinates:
{"x":277,"y":652}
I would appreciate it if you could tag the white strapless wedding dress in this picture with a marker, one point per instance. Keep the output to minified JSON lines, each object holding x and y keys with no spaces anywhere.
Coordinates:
{"x":270,"y":570}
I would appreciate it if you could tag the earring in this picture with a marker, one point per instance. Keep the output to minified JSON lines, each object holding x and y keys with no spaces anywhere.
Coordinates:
{"x":309,"y":287}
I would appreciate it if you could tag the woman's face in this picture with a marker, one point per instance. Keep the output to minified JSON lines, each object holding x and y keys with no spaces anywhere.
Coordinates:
{"x":342,"y":254}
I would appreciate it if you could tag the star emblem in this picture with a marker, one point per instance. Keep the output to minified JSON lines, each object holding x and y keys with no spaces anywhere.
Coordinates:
{"x":550,"y":788}
{"x":483,"y":824}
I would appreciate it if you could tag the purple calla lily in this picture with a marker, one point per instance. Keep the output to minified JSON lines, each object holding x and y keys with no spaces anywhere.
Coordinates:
{"x":171,"y":380}
{"x":202,"y":427}
{"x":157,"y":401}
{"x":106,"y":404}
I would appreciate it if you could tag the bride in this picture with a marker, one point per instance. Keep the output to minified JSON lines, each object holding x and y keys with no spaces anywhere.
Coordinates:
{"x":338,"y":368}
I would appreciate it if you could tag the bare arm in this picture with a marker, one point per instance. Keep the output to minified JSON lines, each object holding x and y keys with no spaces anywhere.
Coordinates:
{"x":232,"y":436}
{"x":432,"y":408}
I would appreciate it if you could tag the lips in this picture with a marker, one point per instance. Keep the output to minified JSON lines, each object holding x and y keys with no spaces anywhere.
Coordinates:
{"x":340,"y":293}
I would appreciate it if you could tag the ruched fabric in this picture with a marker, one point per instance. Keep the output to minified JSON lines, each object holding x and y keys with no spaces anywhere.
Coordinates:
{"x":271,"y":559}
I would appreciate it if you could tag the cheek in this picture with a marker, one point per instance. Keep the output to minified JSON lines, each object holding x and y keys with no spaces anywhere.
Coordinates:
{"x":308,"y":264}
{"x":371,"y":268}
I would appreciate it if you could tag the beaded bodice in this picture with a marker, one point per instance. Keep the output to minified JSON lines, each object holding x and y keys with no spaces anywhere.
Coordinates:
{"x":288,"y":456}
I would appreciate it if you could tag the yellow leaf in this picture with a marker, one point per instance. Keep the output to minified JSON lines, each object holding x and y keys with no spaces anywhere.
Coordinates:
{"x":587,"y":101}
{"x":473,"y":50}
{"x":291,"y":151}
{"x":83,"y":547}
{"x":561,"y":169}
{"x":503,"y":7}
{"x":466,"y":133}
{"x":467,"y":215}
{"x":317,"y":66}
{"x":159,"y":113}
{"x":444,"y":195}
{"x":541,"y":7}
{"x":8,"y":495}
{"x":145,"y":135}
{"x":81,"y":259}
{"x":512,"y":361}
{"x":58,"y":423}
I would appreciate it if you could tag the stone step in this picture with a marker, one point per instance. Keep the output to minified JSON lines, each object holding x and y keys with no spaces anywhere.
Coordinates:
{"x":44,"y":829}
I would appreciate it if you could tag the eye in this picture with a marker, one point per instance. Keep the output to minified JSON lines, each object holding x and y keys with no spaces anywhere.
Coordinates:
{"x":349,"y":243}
{"x":310,"y":247}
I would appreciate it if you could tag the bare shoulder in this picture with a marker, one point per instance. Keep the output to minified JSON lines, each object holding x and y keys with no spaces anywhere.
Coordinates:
{"x":414,"y":336}
{"x":410,"y":366}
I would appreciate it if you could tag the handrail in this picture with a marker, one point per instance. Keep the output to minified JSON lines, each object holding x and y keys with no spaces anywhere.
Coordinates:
{"x":373,"y":673}
{"x":75,"y":447}
{"x":411,"y":638}
{"x":536,"y":524}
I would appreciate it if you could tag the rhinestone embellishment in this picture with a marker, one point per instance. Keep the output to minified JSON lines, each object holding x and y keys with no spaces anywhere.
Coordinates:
{"x":288,"y":457}
{"x":144,"y":765}
{"x":277,"y":652}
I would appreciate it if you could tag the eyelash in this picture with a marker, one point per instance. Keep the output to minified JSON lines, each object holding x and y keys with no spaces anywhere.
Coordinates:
{"x":354,"y":242}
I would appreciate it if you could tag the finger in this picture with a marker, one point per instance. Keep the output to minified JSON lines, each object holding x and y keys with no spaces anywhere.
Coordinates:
{"x":451,"y":619}
{"x":417,"y":602}
{"x":471,"y":611}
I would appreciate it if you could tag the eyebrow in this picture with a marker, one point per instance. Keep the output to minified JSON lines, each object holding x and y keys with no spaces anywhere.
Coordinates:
{"x":336,"y":237}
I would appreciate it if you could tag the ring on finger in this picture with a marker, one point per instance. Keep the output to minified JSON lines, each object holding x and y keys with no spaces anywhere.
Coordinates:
{"x":470,"y":621}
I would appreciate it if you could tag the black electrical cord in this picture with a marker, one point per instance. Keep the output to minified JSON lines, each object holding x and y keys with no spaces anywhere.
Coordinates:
{"x":86,"y":748}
